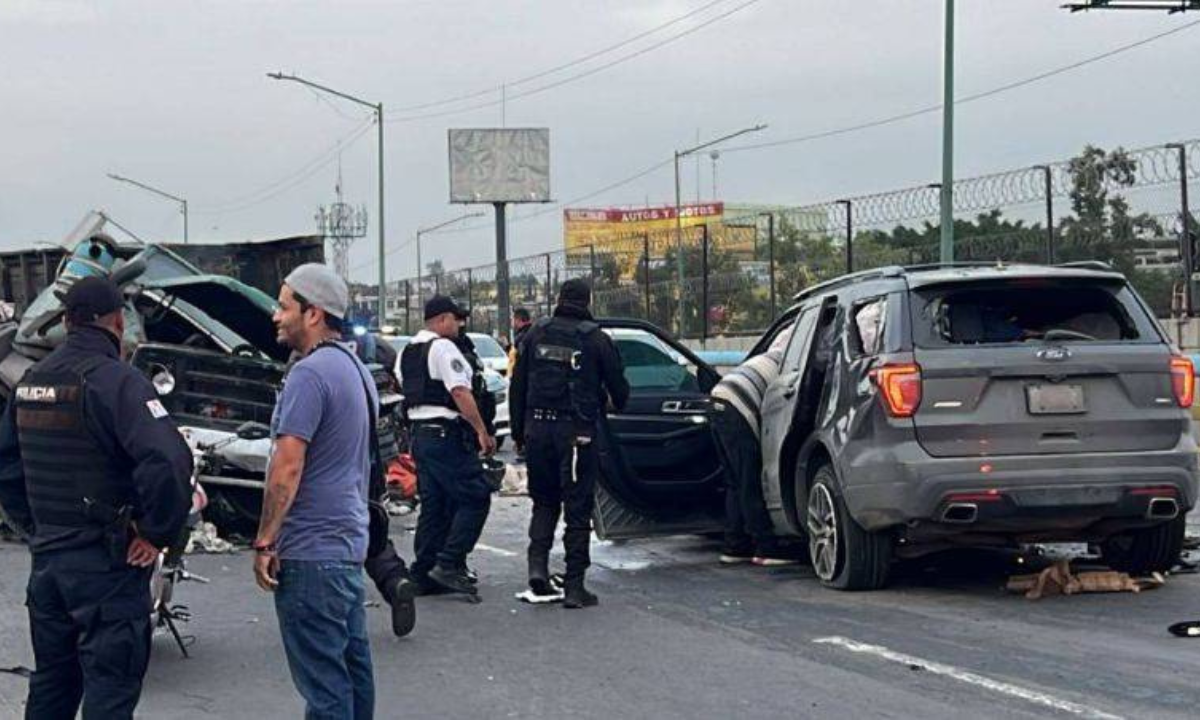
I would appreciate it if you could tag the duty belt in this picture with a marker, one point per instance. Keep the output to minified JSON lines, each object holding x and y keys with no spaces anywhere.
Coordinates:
{"x":438,"y":427}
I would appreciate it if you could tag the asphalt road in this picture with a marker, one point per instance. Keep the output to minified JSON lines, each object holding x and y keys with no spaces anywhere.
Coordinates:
{"x":678,"y":636}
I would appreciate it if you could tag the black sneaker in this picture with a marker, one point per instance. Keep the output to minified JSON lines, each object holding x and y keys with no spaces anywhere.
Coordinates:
{"x":404,"y":607}
{"x":454,"y":581}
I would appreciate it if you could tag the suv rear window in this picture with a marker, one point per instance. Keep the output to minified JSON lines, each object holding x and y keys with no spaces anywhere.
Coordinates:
{"x":1029,"y":310}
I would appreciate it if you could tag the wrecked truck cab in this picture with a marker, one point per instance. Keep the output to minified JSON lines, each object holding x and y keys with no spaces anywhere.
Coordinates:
{"x":208,"y":344}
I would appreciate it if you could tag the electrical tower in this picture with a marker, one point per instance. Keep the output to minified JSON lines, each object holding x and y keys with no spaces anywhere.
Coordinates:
{"x":342,"y":224}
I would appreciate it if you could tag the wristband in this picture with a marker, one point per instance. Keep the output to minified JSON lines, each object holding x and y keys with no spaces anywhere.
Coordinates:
{"x":264,"y":547}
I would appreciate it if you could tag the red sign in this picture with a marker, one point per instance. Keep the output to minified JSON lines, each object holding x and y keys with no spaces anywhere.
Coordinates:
{"x":643,"y":215}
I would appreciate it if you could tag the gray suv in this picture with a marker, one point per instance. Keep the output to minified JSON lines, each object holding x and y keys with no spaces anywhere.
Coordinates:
{"x":930,"y":407}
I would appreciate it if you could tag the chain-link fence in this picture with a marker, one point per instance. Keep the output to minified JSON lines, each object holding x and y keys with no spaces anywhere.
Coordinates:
{"x":732,"y":276}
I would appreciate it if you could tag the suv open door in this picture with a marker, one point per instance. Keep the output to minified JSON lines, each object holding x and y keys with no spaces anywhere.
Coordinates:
{"x":660,"y":473}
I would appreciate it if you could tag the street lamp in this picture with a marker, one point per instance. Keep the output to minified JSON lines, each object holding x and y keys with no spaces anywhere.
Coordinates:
{"x":378,"y":109}
{"x":433,"y":228}
{"x":678,"y":202}
{"x":183,"y":203}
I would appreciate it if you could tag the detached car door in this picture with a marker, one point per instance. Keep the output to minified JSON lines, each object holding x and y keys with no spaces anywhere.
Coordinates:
{"x":660,"y":473}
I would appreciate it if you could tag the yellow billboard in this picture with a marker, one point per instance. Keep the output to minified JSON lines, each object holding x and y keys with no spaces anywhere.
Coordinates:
{"x":613,"y":227}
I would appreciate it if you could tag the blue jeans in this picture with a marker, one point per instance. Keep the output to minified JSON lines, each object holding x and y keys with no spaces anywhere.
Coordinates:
{"x":324,"y":628}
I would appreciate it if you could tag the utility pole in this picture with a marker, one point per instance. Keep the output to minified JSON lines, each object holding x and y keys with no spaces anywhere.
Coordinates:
{"x":679,"y":220}
{"x":377,"y":108}
{"x":947,"y":199}
{"x":426,"y":231}
{"x":182,"y":203}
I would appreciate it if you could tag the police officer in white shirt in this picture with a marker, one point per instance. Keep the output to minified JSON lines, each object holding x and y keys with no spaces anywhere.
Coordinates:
{"x":448,"y":436}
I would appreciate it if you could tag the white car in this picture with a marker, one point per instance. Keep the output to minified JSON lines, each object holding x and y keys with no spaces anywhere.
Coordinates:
{"x":490,"y":352}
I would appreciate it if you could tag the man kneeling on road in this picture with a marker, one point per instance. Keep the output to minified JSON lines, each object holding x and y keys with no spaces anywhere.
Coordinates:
{"x":448,"y":434}
{"x":749,"y":536}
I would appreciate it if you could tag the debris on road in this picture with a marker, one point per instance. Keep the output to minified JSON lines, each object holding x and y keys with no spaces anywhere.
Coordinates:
{"x":1059,"y":580}
{"x":204,"y":538}
{"x":516,"y":480}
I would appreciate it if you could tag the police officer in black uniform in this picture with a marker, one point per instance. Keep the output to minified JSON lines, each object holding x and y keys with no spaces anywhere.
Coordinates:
{"x":448,"y":435}
{"x":565,"y":367}
{"x":96,"y":474}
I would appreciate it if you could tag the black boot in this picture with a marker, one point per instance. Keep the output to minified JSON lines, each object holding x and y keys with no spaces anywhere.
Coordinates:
{"x":577,"y":596}
{"x":402,"y":598}
{"x":541,"y":538}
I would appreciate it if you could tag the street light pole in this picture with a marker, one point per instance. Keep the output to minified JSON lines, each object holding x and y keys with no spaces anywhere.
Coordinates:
{"x":423,"y":231}
{"x":679,"y":220}
{"x":377,"y":108}
{"x":947,"y":199}
{"x":182,"y":203}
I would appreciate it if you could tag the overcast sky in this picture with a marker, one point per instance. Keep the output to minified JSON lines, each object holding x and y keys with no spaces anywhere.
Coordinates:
{"x":174,"y":93}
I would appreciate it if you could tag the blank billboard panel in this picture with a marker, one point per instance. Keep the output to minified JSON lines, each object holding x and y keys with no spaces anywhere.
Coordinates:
{"x":500,"y":165}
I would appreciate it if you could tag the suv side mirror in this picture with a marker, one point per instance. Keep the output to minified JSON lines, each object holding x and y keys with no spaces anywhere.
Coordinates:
{"x":253,"y":431}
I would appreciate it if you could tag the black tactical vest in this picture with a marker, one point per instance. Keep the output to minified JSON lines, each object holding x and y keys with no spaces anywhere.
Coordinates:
{"x":416,"y":384}
{"x":484,"y":400}
{"x":562,"y":376}
{"x":66,"y":470}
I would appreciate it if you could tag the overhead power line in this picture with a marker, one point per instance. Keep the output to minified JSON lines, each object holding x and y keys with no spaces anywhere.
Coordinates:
{"x":564,"y":66}
{"x":581,"y":75}
{"x":963,"y":100}
{"x":838,"y":131}
{"x":305,"y":171}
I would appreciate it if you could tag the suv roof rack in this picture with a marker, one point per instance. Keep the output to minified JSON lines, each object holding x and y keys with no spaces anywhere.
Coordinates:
{"x":886,"y":271}
{"x":1087,"y":265}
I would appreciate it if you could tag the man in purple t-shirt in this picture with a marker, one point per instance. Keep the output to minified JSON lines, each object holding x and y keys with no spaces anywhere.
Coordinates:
{"x":312,"y":536}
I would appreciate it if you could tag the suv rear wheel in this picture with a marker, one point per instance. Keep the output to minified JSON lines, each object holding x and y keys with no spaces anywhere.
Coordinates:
{"x":844,"y":556}
{"x":1146,"y":550}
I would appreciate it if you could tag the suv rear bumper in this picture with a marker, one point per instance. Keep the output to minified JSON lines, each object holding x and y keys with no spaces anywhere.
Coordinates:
{"x":1028,"y":495}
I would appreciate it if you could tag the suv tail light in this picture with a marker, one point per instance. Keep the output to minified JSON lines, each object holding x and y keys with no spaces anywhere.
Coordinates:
{"x":1183,"y":381}
{"x":900,"y":388}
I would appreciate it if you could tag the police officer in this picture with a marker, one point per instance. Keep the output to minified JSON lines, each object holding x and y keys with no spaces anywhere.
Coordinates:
{"x":565,"y":367}
{"x":97,"y":475}
{"x":448,"y":434}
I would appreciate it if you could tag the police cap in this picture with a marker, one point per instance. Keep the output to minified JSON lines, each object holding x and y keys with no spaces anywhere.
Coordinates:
{"x":90,"y":298}
{"x":440,"y":305}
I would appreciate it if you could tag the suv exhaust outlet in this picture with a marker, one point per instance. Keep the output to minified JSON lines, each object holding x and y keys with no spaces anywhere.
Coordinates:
{"x":1162,"y":508}
{"x":961,"y":513}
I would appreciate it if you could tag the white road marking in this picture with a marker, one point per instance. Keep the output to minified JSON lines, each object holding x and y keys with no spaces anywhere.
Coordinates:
{"x":499,"y":551}
{"x":1033,"y":696}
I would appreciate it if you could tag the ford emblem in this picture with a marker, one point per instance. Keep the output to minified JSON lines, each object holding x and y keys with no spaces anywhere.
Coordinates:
{"x":1054,"y":354}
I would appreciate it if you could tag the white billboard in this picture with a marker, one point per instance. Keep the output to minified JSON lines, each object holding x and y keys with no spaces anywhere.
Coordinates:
{"x":500,"y":165}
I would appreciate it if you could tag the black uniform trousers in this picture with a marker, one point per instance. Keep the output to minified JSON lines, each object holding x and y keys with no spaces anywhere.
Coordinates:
{"x":562,"y":478}
{"x":455,"y":496}
{"x":747,"y":524}
{"x":90,"y":623}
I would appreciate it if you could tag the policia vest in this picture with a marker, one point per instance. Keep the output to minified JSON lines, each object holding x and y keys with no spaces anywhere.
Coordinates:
{"x":71,"y":483}
{"x":562,"y":378}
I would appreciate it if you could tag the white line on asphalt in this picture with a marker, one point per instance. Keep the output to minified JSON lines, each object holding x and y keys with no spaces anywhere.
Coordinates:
{"x":499,"y":551}
{"x":950,"y":671}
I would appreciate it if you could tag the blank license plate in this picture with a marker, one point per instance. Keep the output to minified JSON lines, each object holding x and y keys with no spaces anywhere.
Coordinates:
{"x":1057,"y":399}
